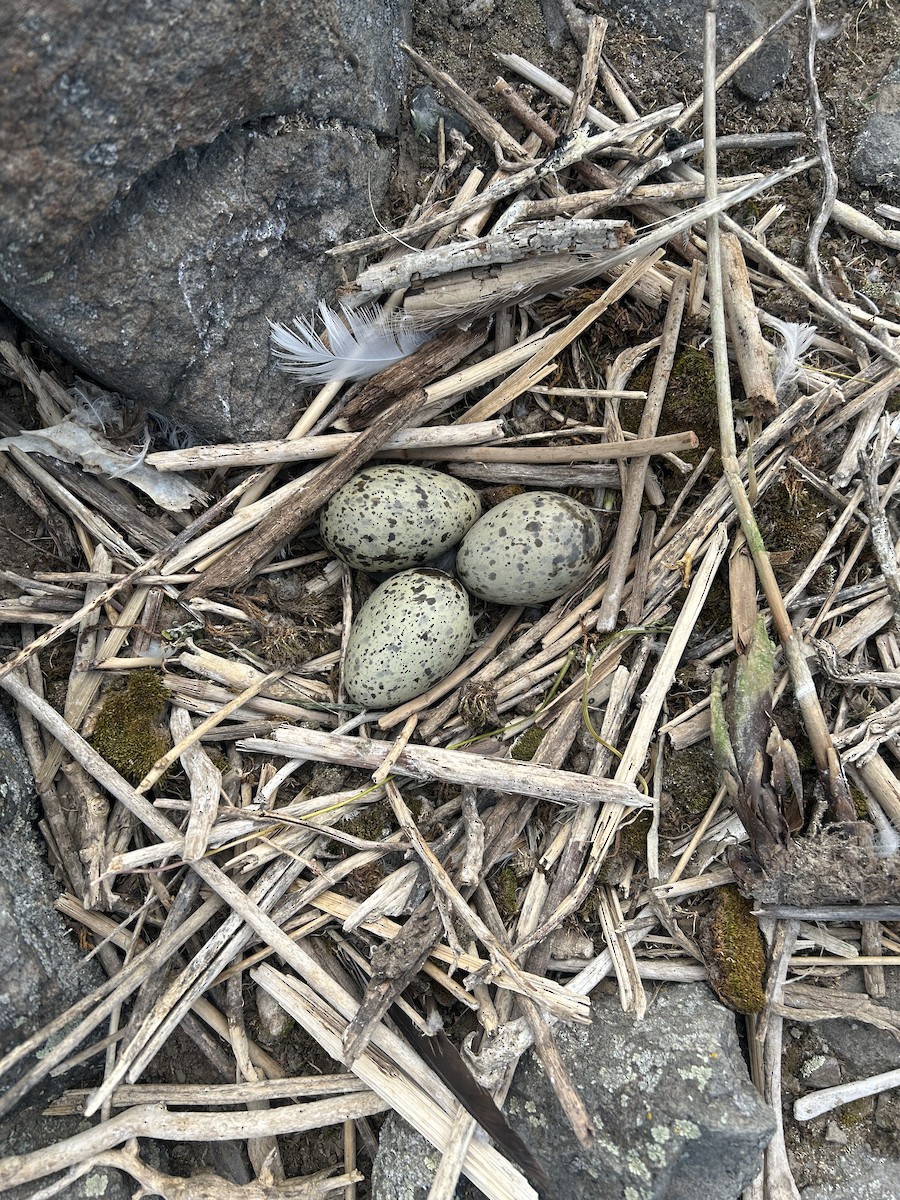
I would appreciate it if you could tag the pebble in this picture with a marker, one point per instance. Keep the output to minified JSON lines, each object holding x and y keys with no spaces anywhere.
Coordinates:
{"x":875,"y":158}
{"x":760,"y":75}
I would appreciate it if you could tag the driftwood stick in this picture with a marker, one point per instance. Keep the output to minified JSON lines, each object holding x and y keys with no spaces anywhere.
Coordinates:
{"x":213,"y":1095}
{"x":540,"y":477}
{"x":671,"y":443}
{"x":824,"y":1100}
{"x":547,"y":237}
{"x":630,"y":515}
{"x":451,"y":766}
{"x":255,"y":454}
{"x":587,"y":80}
{"x":152,"y":1120}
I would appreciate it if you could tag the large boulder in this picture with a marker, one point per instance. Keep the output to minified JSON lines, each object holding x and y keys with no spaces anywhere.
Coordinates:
{"x":171,"y":174}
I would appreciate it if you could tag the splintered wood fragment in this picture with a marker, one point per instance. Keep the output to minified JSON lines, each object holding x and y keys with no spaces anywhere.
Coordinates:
{"x":206,"y":784}
{"x":550,"y":995}
{"x":750,"y":348}
{"x":576,"y":237}
{"x":629,"y":520}
{"x":325,"y":445}
{"x":387,"y":389}
{"x":451,"y":766}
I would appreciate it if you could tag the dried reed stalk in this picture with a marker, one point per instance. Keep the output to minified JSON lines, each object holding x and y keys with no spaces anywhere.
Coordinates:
{"x":452,"y":766}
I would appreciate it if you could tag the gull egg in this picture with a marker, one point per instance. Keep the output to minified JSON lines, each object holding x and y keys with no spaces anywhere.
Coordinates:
{"x":411,"y":632}
{"x":529,"y":549}
{"x":390,"y":517}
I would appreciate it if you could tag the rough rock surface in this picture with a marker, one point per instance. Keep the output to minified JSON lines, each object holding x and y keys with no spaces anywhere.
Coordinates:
{"x":758,"y":78}
{"x":679,"y":23}
{"x":28,"y":1130}
{"x":858,"y":1175}
{"x":170,"y":176}
{"x":41,"y":969}
{"x":875,"y":161}
{"x":675,"y":1112}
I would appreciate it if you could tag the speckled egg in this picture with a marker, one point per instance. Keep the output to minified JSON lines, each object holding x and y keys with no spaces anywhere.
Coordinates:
{"x":411,"y":632}
{"x":390,"y":517}
{"x":529,"y":549}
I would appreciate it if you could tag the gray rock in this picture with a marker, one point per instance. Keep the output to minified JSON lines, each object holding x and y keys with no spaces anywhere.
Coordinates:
{"x":875,"y":159}
{"x":758,"y":78}
{"x":41,"y":970}
{"x":28,"y":1130}
{"x":170,"y":176}
{"x":679,"y":24}
{"x":821,"y":1071}
{"x":858,"y":1174}
{"x":863,"y":1048}
{"x":675,"y":1112}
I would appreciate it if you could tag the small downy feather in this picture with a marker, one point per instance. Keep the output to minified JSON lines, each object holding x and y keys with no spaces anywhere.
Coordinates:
{"x":361,"y":342}
{"x":796,"y":340}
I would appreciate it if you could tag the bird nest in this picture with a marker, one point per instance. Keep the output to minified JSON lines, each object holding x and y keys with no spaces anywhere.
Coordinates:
{"x":233,"y":831}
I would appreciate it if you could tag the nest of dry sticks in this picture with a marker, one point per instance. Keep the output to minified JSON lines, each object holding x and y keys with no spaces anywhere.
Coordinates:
{"x":226,"y":824}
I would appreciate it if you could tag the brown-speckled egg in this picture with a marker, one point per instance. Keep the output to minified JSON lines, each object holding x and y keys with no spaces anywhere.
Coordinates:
{"x":393,"y":516}
{"x":529,"y":549}
{"x":411,"y":632}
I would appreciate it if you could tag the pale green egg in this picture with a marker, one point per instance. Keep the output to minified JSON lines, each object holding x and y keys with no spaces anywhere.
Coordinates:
{"x":529,"y":549}
{"x":393,"y":516}
{"x":411,"y":632}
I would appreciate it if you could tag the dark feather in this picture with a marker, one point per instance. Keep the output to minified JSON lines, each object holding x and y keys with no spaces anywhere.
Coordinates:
{"x":449,"y":1065}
